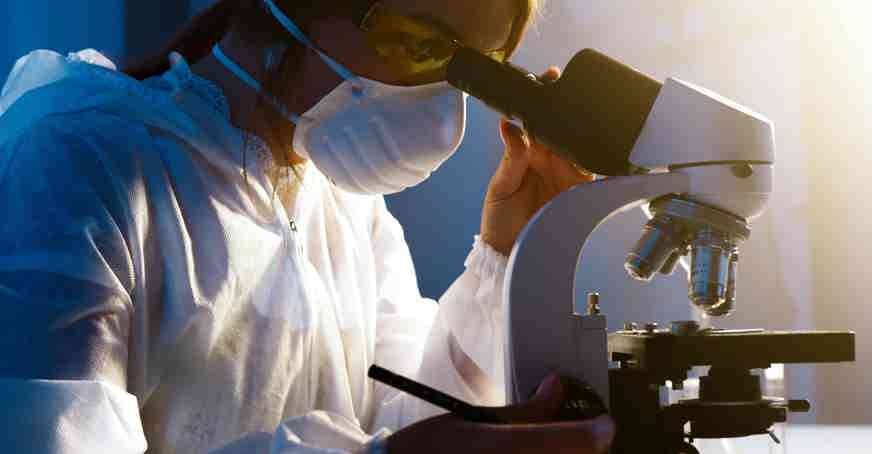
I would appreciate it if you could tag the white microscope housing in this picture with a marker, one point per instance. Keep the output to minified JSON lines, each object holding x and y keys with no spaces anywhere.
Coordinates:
{"x":698,"y":132}
{"x":710,"y":173}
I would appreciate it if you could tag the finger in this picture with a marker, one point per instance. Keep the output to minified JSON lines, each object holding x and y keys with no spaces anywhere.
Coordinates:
{"x":566,"y":173}
{"x":595,"y":435}
{"x":557,"y":171}
{"x":551,"y":74}
{"x":542,"y":407}
{"x":550,"y":388}
{"x":514,"y":138}
{"x":510,"y":173}
{"x":601,"y":424}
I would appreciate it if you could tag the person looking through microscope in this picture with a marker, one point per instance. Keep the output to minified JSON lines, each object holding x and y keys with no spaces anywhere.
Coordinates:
{"x":193,"y":254}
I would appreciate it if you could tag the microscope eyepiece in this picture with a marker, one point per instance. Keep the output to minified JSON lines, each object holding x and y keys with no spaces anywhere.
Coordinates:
{"x":591,"y":116}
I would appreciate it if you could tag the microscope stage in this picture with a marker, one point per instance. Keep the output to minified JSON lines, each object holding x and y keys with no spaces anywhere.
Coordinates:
{"x":663,"y":354}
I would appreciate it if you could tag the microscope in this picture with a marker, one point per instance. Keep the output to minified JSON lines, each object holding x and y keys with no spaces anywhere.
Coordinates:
{"x":701,"y":167}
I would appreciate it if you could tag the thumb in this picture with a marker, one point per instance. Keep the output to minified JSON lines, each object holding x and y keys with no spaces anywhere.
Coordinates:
{"x":549,"y":395}
{"x":515,"y":162}
{"x":542,"y":407}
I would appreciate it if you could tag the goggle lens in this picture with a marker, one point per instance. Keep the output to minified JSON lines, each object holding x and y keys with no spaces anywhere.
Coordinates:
{"x":410,"y":47}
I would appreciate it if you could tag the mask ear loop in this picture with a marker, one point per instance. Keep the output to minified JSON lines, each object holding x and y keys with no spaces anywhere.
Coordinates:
{"x":292,"y":28}
{"x":243,"y":75}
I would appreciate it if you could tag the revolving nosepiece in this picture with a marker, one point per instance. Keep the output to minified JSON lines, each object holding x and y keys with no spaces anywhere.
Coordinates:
{"x":709,"y":235}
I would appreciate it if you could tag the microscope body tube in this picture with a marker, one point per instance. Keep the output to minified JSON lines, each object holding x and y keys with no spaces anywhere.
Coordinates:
{"x":591,"y":116}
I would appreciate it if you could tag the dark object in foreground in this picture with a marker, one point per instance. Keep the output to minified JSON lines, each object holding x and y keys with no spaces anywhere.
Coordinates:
{"x":580,"y":401}
{"x":591,"y":116}
{"x":731,"y":402}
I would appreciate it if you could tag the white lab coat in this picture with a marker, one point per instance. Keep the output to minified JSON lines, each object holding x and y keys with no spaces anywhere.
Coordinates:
{"x":149,"y":292}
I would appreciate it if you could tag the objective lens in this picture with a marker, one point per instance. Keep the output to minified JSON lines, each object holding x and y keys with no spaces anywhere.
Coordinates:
{"x":729,"y":304}
{"x":709,"y":269}
{"x":655,"y":249}
{"x":672,"y":262}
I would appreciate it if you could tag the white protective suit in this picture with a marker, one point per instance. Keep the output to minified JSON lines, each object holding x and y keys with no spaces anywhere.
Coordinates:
{"x":149,"y":292}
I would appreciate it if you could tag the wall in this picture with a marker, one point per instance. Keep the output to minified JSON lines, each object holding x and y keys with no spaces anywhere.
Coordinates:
{"x":837,"y":114}
{"x":122,"y":30}
{"x":59,"y":25}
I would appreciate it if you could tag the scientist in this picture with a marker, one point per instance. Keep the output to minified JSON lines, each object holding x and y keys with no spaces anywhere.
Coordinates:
{"x":195,"y":254}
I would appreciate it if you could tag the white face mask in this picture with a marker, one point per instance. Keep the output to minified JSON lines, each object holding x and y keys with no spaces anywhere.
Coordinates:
{"x":368,"y":137}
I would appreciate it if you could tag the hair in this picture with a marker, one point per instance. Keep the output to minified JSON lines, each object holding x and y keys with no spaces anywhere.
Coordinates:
{"x":249,"y":21}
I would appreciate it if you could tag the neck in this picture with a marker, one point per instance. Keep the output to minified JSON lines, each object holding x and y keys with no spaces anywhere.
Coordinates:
{"x":246,"y":112}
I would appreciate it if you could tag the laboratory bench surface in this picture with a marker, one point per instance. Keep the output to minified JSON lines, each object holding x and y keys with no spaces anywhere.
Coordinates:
{"x":799,"y":439}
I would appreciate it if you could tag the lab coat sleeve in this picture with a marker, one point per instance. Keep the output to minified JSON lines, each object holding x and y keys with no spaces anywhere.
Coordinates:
{"x":77,"y":416}
{"x":455,"y":346}
{"x":65,"y":280}
{"x":316,"y":432}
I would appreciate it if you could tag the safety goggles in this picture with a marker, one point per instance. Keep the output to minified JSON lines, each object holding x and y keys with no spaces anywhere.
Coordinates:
{"x":412,"y":48}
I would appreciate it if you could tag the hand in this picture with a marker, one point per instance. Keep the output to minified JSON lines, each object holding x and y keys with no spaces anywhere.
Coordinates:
{"x":529,"y":176}
{"x":535,"y":434}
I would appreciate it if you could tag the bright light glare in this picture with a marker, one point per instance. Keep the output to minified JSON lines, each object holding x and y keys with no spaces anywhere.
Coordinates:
{"x":852,"y":18}
{"x":775,"y":373}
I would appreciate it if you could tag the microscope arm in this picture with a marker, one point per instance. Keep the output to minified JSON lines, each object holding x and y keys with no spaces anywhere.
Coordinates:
{"x":543,"y":334}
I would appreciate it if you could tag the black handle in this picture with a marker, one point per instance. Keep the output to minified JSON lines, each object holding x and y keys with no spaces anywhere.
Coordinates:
{"x":580,"y":401}
{"x":437,"y":398}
